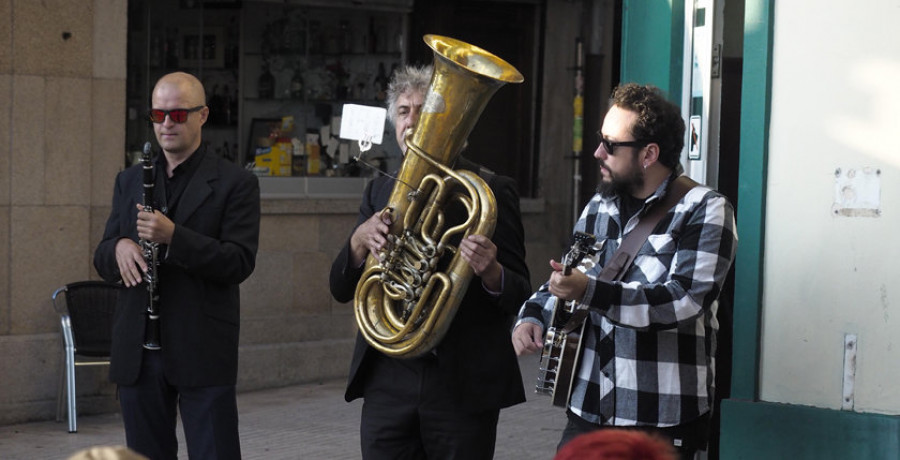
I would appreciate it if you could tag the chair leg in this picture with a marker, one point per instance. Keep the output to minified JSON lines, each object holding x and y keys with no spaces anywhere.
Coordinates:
{"x":70,"y":387}
{"x":60,"y":385}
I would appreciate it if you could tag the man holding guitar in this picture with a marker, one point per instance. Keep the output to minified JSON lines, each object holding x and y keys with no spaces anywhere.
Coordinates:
{"x":642,"y":308}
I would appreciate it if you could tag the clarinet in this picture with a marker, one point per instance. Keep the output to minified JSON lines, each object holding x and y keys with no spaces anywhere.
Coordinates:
{"x":150,"y":251}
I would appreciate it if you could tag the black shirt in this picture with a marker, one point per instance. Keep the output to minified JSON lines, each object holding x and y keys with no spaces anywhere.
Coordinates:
{"x":170,"y":189}
{"x":628,"y":207}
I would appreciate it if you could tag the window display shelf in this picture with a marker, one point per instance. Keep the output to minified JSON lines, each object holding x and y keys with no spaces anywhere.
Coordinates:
{"x":288,"y":63}
{"x":301,"y":64}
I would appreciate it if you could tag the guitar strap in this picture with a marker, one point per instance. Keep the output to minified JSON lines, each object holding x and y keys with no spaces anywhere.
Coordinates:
{"x":618,"y":264}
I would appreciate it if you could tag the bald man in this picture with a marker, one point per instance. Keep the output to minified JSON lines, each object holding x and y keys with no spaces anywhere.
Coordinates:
{"x":205,"y":221}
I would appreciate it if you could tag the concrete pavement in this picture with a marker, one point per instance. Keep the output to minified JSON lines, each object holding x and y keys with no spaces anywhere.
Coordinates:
{"x":300,"y":422}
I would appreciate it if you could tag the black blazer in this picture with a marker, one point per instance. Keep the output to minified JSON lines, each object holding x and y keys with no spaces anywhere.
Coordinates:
{"x":476,"y":355}
{"x":213,"y":250}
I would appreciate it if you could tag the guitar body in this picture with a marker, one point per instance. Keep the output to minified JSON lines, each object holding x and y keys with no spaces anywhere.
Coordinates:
{"x":562,"y":349}
{"x":559,"y":358}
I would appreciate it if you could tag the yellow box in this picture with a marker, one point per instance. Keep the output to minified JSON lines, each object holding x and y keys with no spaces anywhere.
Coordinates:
{"x":276,"y":159}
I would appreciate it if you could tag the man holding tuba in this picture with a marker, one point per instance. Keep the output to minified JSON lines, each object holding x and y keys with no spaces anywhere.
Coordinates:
{"x":445,"y":402}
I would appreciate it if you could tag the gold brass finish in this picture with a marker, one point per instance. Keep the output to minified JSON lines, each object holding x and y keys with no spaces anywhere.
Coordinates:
{"x":405,"y":303}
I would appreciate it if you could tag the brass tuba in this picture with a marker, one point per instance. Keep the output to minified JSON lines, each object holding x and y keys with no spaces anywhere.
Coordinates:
{"x":405,"y":303}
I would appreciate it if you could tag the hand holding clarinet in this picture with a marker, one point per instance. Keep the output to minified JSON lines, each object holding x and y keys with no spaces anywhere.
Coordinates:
{"x":152,"y":227}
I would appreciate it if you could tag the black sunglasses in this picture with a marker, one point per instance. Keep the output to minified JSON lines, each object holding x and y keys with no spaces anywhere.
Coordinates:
{"x":177,"y":115}
{"x":609,"y":145}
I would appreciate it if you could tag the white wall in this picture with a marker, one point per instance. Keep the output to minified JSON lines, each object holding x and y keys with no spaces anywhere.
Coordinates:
{"x":835,"y":105}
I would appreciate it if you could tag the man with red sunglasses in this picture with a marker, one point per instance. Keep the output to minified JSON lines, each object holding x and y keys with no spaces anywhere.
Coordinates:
{"x":205,"y":221}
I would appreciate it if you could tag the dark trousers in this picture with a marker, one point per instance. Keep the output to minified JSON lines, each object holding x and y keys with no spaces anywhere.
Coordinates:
{"x":409,"y":413}
{"x":687,"y":439}
{"x":150,"y":408}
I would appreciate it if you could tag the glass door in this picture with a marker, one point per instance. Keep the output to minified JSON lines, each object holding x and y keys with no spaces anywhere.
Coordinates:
{"x":702,"y":89}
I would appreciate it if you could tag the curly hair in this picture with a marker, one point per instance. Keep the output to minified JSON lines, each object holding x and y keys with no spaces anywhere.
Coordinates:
{"x":658,"y":119}
{"x":405,"y":79}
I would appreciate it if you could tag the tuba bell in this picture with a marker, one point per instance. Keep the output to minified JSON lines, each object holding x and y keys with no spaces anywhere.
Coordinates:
{"x":405,"y":302}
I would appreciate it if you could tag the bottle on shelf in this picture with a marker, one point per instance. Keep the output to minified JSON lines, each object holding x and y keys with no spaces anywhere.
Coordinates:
{"x":313,"y":153}
{"x":297,"y":86}
{"x":172,"y":51}
{"x":265,"y":86}
{"x":157,"y":49}
{"x":214,"y":102}
{"x":381,"y":83}
{"x":345,"y":39}
{"x":227,"y":115}
{"x":315,"y":36}
{"x":233,"y":108}
{"x":298,"y":157}
{"x":295,"y":32}
{"x":227,"y":152}
{"x":372,"y":37}
{"x":232,"y":43}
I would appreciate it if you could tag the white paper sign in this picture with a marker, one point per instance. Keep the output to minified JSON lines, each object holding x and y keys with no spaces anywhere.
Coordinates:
{"x":363,"y":123}
{"x":857,"y":192}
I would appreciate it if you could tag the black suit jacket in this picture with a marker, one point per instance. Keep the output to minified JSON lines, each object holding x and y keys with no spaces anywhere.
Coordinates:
{"x":213,"y":250}
{"x":476,"y":354}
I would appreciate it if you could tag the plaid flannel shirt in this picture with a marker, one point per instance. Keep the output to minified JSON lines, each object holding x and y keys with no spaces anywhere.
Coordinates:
{"x":648,"y":348}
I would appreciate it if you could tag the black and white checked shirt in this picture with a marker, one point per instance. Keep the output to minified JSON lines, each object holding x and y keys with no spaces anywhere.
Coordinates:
{"x":648,"y":355}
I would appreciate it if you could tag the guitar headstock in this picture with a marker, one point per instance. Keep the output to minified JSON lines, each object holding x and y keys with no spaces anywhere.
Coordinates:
{"x":581,"y":247}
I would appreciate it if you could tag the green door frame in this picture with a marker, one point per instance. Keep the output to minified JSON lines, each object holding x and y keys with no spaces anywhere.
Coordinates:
{"x":653,"y":44}
{"x":756,"y":92}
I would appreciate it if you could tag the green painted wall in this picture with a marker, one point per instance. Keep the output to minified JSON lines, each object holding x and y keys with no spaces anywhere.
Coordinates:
{"x":652,"y":44}
{"x":753,"y":429}
{"x":758,"y":430}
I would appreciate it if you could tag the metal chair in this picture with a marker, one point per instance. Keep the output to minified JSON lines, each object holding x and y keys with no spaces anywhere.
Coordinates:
{"x":85,"y":320}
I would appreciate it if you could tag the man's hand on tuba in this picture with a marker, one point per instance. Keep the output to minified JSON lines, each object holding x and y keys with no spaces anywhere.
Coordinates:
{"x":370,"y":237}
{"x":481,"y":254}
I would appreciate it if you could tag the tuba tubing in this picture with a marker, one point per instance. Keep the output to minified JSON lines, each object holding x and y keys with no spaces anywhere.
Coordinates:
{"x":405,"y":302}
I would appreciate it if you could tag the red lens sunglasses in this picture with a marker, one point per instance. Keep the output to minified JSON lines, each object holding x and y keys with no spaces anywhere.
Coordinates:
{"x":177,"y":115}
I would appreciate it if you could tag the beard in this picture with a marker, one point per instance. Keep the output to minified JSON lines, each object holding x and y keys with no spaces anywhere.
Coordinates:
{"x":621,"y":183}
